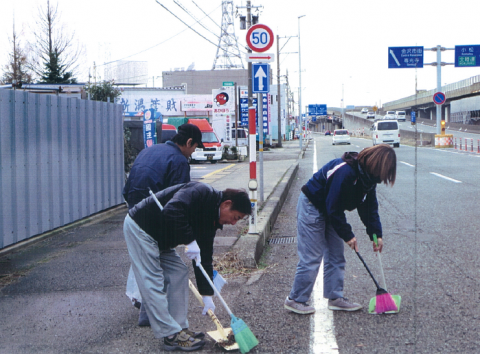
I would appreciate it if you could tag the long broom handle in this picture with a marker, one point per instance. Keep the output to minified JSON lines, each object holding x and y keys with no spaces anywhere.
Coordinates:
{"x":199,"y":265}
{"x":214,"y":318}
{"x":155,"y":198}
{"x":380,"y":262}
{"x":368,"y":270}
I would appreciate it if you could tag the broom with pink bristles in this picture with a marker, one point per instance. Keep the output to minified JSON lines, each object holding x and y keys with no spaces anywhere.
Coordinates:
{"x":383,"y":300}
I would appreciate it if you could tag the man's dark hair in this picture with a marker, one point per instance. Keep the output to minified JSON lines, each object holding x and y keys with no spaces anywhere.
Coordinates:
{"x":240,"y":200}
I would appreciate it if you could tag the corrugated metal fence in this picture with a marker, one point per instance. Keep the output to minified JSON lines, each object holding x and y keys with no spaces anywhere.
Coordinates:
{"x":61,"y":159}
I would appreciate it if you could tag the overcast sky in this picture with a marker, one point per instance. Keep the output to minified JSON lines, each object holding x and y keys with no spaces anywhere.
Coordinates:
{"x":342,"y":41}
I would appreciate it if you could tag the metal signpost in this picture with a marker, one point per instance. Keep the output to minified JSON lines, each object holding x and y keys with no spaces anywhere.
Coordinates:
{"x":259,"y":39}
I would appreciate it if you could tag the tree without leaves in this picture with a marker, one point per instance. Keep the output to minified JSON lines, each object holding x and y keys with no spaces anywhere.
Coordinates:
{"x":17,"y":70}
{"x":56,"y":52}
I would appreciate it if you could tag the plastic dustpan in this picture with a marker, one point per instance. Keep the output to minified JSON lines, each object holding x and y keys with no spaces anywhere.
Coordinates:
{"x":371,"y":306}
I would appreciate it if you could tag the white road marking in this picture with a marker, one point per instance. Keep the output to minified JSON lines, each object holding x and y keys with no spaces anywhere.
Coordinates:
{"x":406,"y":163}
{"x":323,"y":334}
{"x":447,"y":178}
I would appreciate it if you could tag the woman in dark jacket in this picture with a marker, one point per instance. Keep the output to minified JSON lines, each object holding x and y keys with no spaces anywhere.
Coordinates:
{"x":346,"y":183}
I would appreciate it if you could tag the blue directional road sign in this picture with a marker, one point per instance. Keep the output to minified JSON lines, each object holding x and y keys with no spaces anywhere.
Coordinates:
{"x":261,"y":78}
{"x":312,"y":109}
{"x":321,"y":109}
{"x":467,"y":56}
{"x":405,"y":57}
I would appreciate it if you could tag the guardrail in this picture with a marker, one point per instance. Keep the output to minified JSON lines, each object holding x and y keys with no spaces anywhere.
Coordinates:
{"x":456,"y":89}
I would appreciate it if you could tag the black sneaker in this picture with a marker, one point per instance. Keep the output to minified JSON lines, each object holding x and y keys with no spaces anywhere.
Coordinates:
{"x":182,"y":341}
{"x":196,"y":335}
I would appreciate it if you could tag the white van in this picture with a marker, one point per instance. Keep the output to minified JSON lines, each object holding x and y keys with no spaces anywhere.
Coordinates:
{"x":386,"y":132}
{"x":400,"y":115}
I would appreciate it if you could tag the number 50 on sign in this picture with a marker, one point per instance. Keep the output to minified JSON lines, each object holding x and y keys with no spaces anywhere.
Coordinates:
{"x":259,"y":38}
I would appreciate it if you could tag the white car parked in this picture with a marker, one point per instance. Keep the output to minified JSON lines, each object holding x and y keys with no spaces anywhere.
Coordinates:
{"x":340,"y":136}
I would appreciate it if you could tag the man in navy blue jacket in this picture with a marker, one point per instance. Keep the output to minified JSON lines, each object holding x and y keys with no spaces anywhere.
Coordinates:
{"x":158,"y":167}
{"x":347,"y":183}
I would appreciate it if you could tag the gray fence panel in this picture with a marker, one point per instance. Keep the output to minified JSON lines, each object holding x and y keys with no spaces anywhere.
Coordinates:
{"x":61,"y":159}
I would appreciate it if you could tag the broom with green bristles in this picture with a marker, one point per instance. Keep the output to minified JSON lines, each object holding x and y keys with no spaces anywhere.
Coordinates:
{"x":244,"y":337}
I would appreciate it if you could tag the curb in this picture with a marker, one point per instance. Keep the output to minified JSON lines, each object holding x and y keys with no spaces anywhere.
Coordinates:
{"x":249,"y":247}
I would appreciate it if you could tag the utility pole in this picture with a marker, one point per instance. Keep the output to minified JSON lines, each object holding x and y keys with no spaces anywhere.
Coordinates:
{"x":300,"y":85}
{"x":279,"y":143}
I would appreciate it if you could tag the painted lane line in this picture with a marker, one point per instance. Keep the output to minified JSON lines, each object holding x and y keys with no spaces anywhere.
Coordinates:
{"x":323,"y":335}
{"x":447,"y":178}
{"x":214,"y":172}
{"x":406,"y":163}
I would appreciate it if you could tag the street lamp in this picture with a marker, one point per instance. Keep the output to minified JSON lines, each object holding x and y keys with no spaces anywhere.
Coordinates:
{"x":300,"y":85}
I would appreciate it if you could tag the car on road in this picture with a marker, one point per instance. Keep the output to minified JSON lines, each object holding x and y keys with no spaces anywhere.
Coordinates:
{"x":390,"y":115}
{"x":327,"y":132}
{"x":371,"y":115}
{"x":400,"y":115}
{"x":340,"y":136}
{"x":386,"y":132}
{"x":364,"y":111}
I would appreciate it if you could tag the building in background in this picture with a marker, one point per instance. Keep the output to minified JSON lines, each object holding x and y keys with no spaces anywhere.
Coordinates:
{"x":127,"y":72}
{"x":202,"y":82}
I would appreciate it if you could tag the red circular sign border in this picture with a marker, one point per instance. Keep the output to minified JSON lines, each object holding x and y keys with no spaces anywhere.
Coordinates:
{"x":444,"y":98}
{"x":252,"y":46}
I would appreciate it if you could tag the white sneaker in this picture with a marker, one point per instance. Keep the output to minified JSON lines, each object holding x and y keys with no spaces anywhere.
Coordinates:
{"x":298,"y":307}
{"x":342,"y":304}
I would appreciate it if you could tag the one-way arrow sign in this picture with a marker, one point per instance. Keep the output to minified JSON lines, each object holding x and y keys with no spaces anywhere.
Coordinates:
{"x":261,"y":78}
{"x":260,"y":57}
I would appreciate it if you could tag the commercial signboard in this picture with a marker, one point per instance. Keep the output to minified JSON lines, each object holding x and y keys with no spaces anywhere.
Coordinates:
{"x":223,"y":112}
{"x":135,"y":102}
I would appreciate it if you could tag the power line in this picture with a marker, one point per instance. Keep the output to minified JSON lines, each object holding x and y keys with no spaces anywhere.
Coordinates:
{"x":206,"y":14}
{"x":156,"y":45}
{"x":208,"y":40}
{"x":184,"y":9}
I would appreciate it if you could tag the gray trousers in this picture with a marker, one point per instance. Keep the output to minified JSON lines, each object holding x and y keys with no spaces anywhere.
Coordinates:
{"x":162,"y":279}
{"x":316,"y":240}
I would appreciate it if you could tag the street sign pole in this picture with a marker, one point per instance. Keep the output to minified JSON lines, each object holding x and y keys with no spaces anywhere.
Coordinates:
{"x":260,"y":142}
{"x":439,"y":87}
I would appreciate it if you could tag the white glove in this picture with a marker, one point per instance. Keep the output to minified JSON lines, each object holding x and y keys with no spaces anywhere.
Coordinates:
{"x":209,"y":305}
{"x":193,"y":252}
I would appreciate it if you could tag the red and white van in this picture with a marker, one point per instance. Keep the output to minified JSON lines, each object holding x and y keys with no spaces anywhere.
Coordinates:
{"x":213,"y":147}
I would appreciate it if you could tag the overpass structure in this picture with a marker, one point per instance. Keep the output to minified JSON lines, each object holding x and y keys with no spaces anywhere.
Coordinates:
{"x":423,"y":102}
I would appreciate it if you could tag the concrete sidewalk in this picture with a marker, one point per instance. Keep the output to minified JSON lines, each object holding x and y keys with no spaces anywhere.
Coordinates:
{"x":64,"y":292}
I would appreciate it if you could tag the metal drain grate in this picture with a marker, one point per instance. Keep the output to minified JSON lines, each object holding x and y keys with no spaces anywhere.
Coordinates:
{"x":282,"y":240}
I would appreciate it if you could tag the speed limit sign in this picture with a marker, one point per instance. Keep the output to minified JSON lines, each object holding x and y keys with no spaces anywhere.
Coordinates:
{"x":259,"y":38}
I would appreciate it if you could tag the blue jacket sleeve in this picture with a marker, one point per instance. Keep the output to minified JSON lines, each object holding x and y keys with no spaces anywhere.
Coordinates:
{"x":341,"y":187}
{"x":368,"y":212}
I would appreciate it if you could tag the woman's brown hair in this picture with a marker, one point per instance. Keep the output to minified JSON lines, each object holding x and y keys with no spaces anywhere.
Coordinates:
{"x":380,"y":162}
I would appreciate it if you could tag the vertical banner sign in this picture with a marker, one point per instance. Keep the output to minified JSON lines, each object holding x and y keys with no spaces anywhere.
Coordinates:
{"x":149,"y":128}
{"x":265,"y":113}
{"x":223,"y":114}
{"x":243,"y":107}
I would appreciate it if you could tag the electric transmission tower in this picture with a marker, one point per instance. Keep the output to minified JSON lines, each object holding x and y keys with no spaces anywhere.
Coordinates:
{"x":228,"y":54}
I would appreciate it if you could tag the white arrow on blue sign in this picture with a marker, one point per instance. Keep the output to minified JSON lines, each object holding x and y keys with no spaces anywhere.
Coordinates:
{"x":261,"y":78}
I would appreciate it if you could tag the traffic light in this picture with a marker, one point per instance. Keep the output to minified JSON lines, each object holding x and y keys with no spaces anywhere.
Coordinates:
{"x":442,"y":123}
